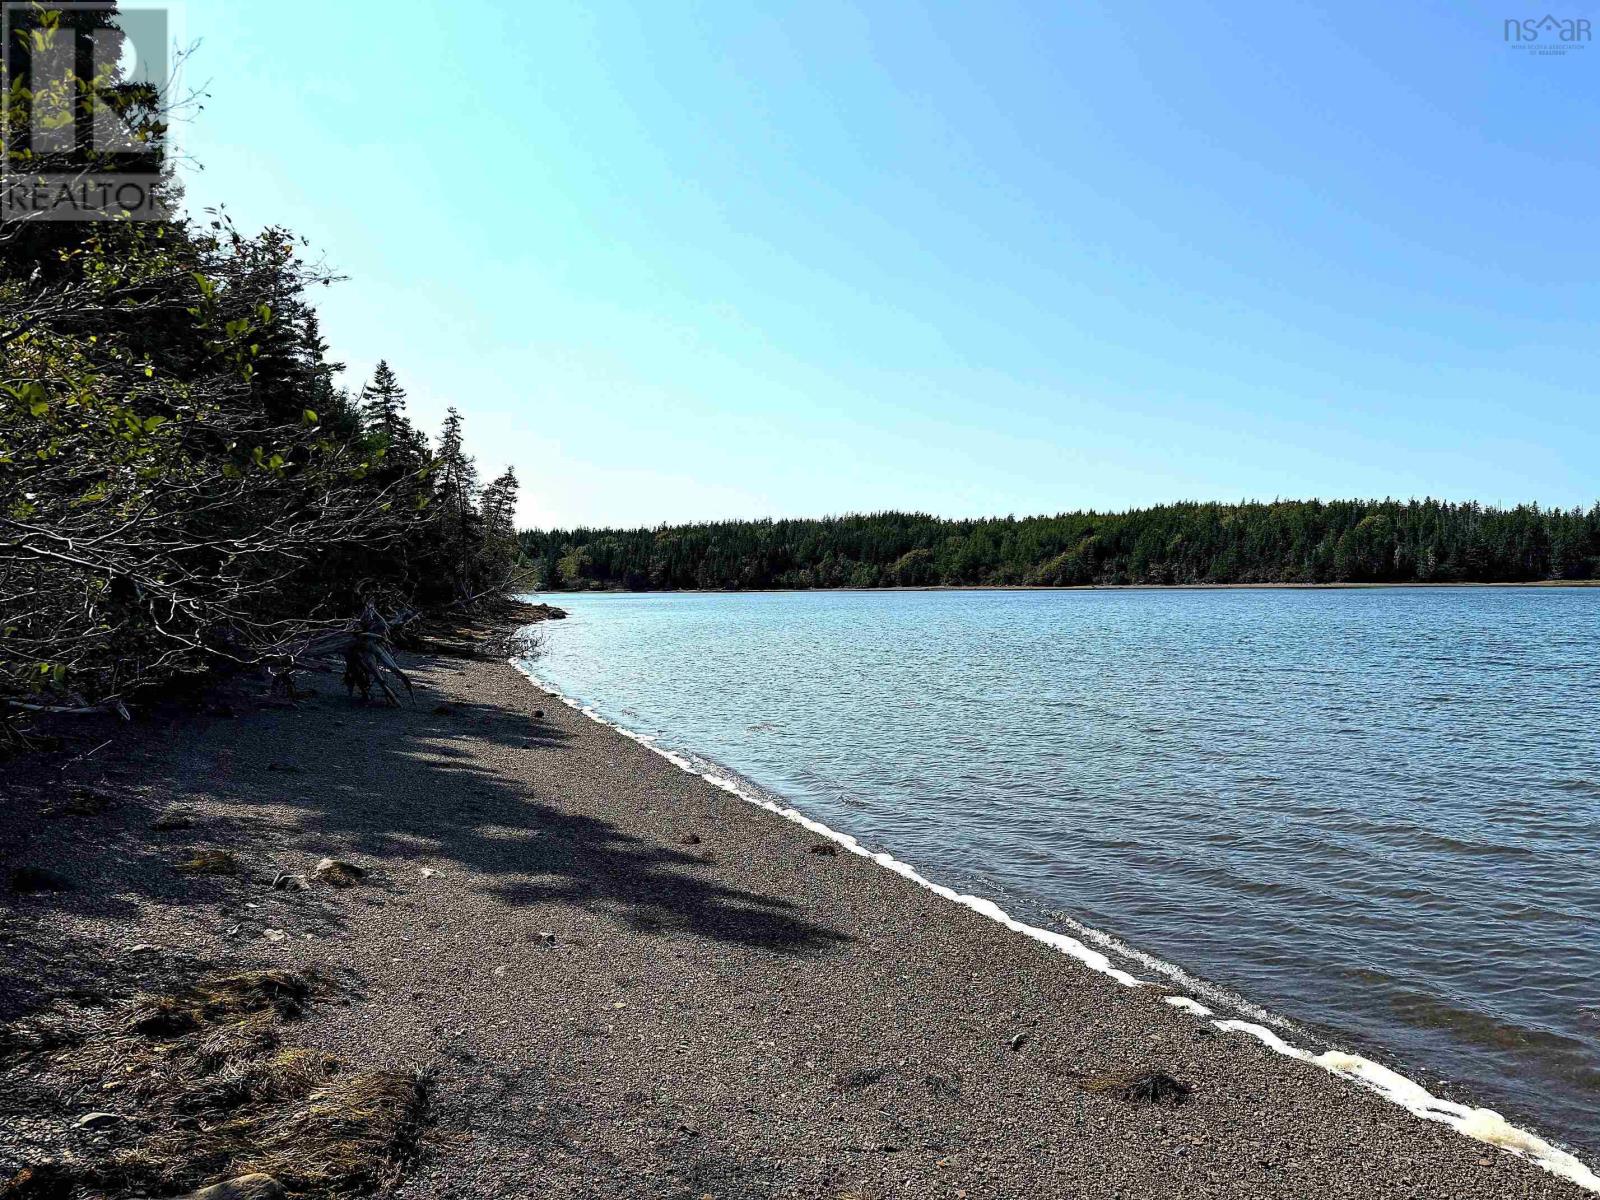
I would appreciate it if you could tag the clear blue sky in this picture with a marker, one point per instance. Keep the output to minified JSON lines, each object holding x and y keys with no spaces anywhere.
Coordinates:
{"x":679,"y":261}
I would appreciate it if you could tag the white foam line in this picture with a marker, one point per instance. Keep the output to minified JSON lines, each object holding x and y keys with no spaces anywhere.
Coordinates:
{"x":1481,"y":1124}
{"x":1177,"y":974}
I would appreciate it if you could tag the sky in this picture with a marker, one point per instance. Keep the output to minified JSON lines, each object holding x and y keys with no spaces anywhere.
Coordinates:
{"x":679,"y":261}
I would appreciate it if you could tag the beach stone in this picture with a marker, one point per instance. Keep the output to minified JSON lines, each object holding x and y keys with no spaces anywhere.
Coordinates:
{"x":338,"y":872}
{"x":39,"y":879}
{"x":97,"y":1120}
{"x":245,"y":1187}
{"x":81,"y":802}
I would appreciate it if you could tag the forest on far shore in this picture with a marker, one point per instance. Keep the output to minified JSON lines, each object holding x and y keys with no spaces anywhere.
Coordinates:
{"x":1286,"y":541}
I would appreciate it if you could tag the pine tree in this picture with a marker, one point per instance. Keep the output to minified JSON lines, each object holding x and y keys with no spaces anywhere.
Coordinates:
{"x":457,"y":473}
{"x":383,"y":414}
{"x":499,"y":507}
{"x":383,"y":406}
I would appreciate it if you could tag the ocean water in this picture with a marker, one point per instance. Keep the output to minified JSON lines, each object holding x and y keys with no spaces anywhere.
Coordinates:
{"x":1373,"y":814}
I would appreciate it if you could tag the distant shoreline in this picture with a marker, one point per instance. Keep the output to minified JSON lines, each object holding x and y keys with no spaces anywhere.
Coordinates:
{"x":1082,"y":587}
{"x":1300,"y":542}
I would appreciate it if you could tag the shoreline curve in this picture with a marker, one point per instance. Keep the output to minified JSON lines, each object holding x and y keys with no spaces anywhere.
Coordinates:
{"x":1483,"y":1125}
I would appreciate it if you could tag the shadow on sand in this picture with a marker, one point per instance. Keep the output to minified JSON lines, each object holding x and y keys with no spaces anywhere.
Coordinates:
{"x":390,"y":785}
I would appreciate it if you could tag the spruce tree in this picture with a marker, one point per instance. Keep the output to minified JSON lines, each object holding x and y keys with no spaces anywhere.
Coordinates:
{"x":499,"y":508}
{"x":383,"y":415}
{"x":457,"y":473}
{"x":383,"y":405}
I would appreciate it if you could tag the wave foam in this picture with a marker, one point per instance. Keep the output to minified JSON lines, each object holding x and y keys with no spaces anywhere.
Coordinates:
{"x":1481,"y":1124}
{"x":1182,"y":978}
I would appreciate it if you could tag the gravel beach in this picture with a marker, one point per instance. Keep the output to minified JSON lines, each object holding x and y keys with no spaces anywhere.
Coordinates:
{"x":629,"y":983}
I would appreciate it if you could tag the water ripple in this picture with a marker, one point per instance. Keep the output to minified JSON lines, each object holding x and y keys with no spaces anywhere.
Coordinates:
{"x":1376,"y":811}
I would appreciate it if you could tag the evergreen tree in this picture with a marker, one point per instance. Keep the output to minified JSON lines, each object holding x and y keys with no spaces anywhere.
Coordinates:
{"x":499,"y":507}
{"x":383,"y":406}
{"x":383,"y":413}
{"x":455,"y":471}
{"x":502,"y":552}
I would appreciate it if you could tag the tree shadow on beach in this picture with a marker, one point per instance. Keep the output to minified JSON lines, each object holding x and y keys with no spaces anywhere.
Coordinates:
{"x":587,"y":862}
{"x":426,"y":797}
{"x":284,"y":784}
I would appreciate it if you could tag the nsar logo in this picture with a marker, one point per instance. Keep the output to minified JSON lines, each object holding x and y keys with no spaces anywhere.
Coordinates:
{"x":1548,"y":34}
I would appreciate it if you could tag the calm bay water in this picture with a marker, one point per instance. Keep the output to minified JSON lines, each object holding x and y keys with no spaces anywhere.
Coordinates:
{"x":1375,"y":812}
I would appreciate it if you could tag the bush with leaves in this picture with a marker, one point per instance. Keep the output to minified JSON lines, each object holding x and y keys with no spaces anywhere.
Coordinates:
{"x":164,"y":502}
{"x":182,"y":484}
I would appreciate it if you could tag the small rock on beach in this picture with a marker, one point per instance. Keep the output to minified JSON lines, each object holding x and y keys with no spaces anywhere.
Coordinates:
{"x":245,"y":1187}
{"x":338,"y":872}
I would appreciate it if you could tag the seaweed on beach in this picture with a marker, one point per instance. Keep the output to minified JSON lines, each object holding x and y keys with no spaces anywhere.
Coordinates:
{"x":209,"y":862}
{"x":1142,"y":1087}
{"x":204,"y":1088}
{"x":859,"y":1078}
{"x":219,"y":999}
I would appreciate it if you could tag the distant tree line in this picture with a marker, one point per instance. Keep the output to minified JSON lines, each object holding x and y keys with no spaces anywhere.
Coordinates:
{"x":183,"y":484}
{"x":1297,"y":541}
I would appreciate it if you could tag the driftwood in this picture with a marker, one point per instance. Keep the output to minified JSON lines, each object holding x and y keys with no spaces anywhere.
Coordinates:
{"x":70,"y":710}
{"x":366,"y":661}
{"x":366,"y":647}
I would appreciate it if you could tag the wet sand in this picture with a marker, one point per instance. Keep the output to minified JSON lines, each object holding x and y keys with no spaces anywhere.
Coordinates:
{"x":631,"y":983}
